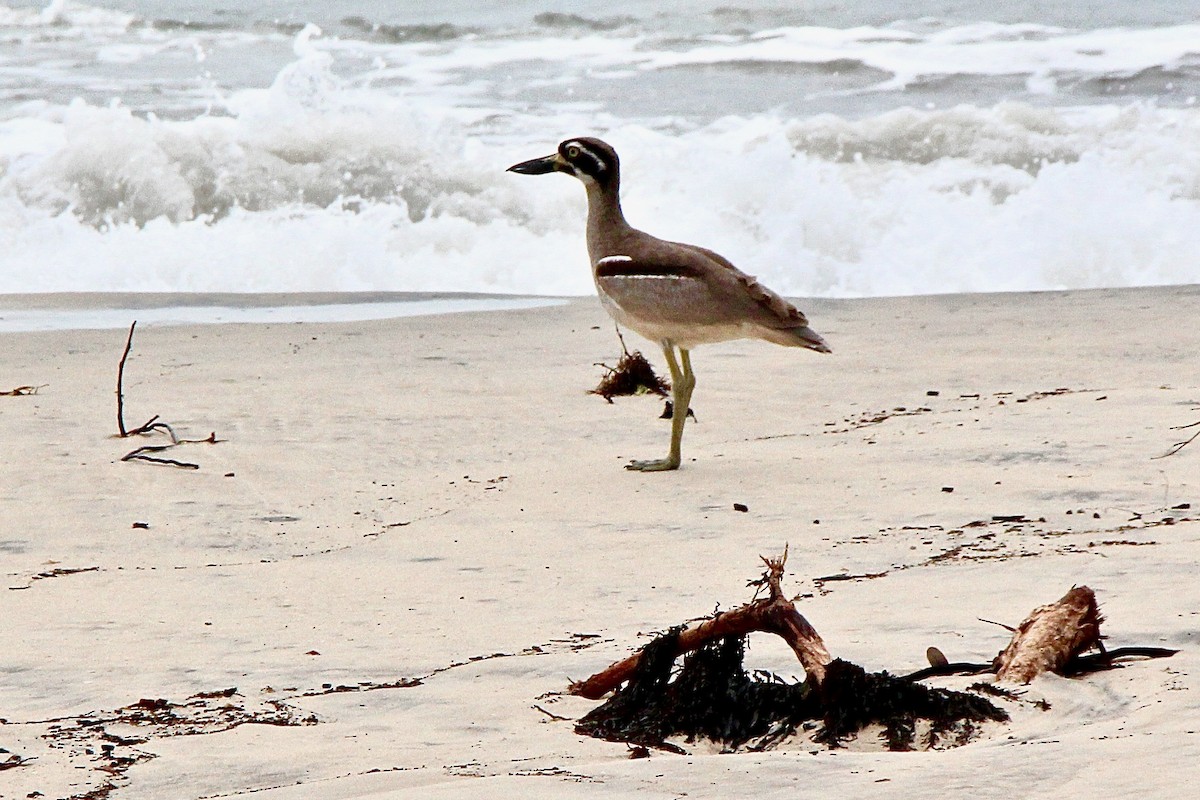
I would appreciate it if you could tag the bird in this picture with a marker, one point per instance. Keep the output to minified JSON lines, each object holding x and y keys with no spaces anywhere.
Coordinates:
{"x":674,"y":294}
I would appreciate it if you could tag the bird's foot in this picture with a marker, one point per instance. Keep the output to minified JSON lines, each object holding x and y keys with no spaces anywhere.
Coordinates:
{"x":654,"y":465}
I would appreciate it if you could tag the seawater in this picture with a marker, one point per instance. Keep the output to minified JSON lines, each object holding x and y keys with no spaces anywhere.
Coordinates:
{"x":848,"y":149}
{"x":208,"y":313}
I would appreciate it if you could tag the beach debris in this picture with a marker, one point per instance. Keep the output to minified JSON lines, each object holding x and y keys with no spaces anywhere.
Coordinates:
{"x":713,"y":697}
{"x":105,"y":745}
{"x":742,"y":507}
{"x":870,"y":418}
{"x":845,"y":576}
{"x":669,"y":411}
{"x":147,"y":452}
{"x":23,"y":391}
{"x":57,"y":572}
{"x":550,"y":714}
{"x":1175,"y":448}
{"x":632,"y":375}
{"x":1051,"y":636}
{"x":774,"y":614}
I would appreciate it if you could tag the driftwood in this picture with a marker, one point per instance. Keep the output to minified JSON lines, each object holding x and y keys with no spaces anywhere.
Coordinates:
{"x":151,"y":425}
{"x":23,"y":391}
{"x":712,"y":696}
{"x":1051,"y":636}
{"x":773,"y":614}
{"x":1175,"y":448}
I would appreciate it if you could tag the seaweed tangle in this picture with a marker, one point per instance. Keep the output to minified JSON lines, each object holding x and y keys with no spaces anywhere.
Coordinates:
{"x":713,"y":697}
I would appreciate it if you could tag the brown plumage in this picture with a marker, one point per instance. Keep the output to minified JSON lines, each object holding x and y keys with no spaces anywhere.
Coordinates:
{"x":676,"y":294}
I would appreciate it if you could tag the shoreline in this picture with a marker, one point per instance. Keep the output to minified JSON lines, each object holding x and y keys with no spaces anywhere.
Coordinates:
{"x":431,"y":512}
{"x":105,"y":311}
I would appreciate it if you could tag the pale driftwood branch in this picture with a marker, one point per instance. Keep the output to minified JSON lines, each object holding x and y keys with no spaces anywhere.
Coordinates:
{"x":1051,"y":636}
{"x":23,"y":391}
{"x":773,"y":614}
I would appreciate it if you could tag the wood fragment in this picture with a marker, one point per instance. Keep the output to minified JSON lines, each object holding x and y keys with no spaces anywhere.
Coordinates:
{"x":1079,"y":665}
{"x":143,"y":454}
{"x":151,"y":425}
{"x":121,"y":382}
{"x":14,"y":761}
{"x":1051,"y":636}
{"x":772,"y":614}
{"x":23,"y":391}
{"x":551,"y":715}
{"x":1175,"y":448}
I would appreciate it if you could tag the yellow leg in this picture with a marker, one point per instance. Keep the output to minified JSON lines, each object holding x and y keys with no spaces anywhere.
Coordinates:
{"x":683,"y":381}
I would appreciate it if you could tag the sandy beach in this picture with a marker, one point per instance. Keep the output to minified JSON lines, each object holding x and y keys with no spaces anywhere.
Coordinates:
{"x":411,"y":533}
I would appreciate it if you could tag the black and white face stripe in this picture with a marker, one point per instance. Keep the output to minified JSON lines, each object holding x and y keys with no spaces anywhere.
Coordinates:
{"x":590,"y":159}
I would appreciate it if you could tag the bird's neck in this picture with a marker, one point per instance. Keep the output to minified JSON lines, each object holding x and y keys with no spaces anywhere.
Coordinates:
{"x":606,"y":225}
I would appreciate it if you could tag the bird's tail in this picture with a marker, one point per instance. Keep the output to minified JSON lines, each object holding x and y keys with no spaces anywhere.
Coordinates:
{"x":804,"y":337}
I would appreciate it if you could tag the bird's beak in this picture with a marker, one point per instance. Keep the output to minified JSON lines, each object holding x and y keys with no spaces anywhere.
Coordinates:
{"x":541,"y":166}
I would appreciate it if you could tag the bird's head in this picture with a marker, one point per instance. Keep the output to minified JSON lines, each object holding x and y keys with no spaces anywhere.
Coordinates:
{"x":590,"y":160}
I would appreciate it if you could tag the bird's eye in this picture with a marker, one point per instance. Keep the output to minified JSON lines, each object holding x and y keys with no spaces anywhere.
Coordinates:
{"x":572,"y":152}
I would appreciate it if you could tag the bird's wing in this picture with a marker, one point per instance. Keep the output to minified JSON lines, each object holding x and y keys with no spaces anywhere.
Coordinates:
{"x":671,"y":282}
{"x":778,"y":312}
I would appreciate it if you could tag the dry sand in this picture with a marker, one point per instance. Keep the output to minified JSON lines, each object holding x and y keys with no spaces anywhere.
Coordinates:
{"x":437,"y":498}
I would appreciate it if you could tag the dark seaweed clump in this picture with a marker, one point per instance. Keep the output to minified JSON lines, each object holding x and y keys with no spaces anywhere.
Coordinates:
{"x":632,"y":375}
{"x":712,"y":696}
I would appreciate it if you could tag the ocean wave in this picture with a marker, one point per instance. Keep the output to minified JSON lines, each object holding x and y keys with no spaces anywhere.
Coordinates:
{"x":63,"y":15}
{"x":116,"y":168}
{"x":306,"y":141}
{"x":978,"y":49}
{"x":393,"y":33}
{"x":323,"y":183}
{"x":559,"y":20}
{"x":1015,"y":134}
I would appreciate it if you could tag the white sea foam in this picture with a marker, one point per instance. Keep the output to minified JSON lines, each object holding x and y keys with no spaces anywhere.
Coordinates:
{"x":64,"y":18}
{"x":908,"y":202}
{"x":339,"y":179}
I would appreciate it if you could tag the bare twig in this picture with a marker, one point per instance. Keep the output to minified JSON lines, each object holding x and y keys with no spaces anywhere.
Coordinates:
{"x":774,"y":614}
{"x":23,"y":391}
{"x":120,"y":382}
{"x":141,"y":454}
{"x":151,"y":425}
{"x":551,"y":715}
{"x":1175,"y":448}
{"x":1009,"y":628}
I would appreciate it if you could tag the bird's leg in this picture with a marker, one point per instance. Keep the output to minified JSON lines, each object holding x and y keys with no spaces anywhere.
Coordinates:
{"x":682,"y":383}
